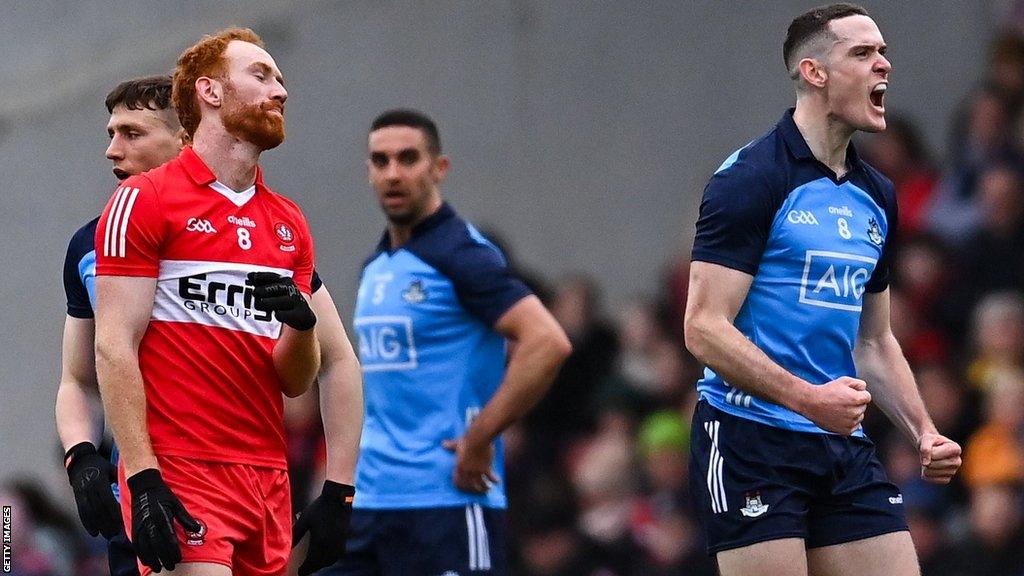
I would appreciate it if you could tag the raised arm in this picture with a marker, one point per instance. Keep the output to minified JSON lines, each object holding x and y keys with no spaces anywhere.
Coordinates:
{"x":881,"y":363}
{"x":716,"y":294}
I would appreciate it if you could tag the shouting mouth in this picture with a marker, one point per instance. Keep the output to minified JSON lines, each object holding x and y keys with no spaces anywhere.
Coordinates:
{"x":877,"y":96}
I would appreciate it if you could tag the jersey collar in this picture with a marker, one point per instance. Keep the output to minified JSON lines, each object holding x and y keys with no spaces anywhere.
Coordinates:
{"x":200,"y":173}
{"x":801,"y":151}
{"x":443,"y":213}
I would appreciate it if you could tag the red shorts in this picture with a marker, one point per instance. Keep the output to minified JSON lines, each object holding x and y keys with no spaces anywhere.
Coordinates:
{"x":246,"y":510}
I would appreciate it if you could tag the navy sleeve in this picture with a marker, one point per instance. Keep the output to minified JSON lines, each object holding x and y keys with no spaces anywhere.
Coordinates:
{"x":484,"y":283}
{"x":315,"y":282}
{"x":735,"y":219}
{"x":79,"y":305}
{"x":879,"y":280}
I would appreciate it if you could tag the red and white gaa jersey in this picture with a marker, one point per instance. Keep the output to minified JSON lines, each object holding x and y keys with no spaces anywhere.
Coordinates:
{"x":212,"y":391}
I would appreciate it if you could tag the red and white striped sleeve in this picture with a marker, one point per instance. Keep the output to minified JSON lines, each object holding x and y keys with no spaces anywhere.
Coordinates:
{"x":130,"y":231}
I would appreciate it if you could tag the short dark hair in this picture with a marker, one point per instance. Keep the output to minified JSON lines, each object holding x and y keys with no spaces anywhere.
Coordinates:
{"x":152,"y":92}
{"x":812,"y":24}
{"x":412,"y":119}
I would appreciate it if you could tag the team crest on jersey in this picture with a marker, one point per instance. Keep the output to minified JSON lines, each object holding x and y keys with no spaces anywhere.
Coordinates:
{"x":285,"y":235}
{"x":196,"y":538}
{"x":754,"y":507}
{"x":874,"y":232}
{"x":415,"y":293}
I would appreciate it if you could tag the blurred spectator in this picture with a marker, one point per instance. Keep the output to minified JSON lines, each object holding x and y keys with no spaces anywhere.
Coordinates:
{"x":568,"y":409}
{"x":998,"y":337}
{"x":980,"y":137}
{"x":651,"y":362}
{"x":995,"y":453}
{"x":994,"y":544}
{"x":949,"y":401}
{"x":307,"y":450}
{"x":992,"y":257}
{"x":603,"y":475}
{"x":1006,"y":67}
{"x":920,"y":342}
{"x":663,"y":523}
{"x":46,"y":540}
{"x":926,"y":279}
{"x":900,"y":153}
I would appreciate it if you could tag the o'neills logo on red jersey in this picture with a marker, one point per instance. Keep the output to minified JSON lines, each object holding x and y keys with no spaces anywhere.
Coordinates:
{"x":212,"y":294}
{"x":243,"y":221}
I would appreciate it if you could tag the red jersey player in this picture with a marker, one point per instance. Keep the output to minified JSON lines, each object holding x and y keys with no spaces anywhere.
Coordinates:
{"x":203,"y":276}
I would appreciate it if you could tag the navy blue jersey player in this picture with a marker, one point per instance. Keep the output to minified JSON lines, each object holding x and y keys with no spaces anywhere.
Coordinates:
{"x":144,"y":133}
{"x":789,"y":310}
{"x":436,"y":307}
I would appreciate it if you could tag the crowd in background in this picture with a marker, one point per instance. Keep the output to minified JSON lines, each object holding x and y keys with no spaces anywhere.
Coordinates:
{"x":597,"y":474}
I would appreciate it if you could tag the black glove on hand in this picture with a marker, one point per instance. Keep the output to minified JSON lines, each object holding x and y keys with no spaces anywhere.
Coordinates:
{"x":90,"y":475}
{"x":326,"y":519}
{"x":279,"y":294}
{"x":154,"y":510}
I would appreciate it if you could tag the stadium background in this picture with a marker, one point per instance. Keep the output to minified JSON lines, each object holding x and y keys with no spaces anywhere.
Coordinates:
{"x":581,"y":135}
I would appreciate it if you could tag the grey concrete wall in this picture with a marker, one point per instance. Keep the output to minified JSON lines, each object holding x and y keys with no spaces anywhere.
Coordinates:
{"x":582,"y":131}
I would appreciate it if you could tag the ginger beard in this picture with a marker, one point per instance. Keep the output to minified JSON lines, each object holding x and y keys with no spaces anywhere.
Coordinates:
{"x":254,"y":123}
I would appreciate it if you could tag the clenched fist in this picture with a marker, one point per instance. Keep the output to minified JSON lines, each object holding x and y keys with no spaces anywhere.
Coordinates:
{"x":837,"y":406}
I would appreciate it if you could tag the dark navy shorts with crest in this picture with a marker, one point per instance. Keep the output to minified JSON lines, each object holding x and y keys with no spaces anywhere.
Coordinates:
{"x":453,"y":541}
{"x":753,"y":482}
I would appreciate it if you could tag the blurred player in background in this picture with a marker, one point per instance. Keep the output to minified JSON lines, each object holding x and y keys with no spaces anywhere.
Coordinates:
{"x":437,"y":304}
{"x":144,"y":133}
{"x":789,"y":309}
{"x":202,"y":321}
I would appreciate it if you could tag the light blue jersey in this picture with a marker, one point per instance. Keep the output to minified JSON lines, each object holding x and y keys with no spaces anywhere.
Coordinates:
{"x":814,"y":245}
{"x":431,"y":360}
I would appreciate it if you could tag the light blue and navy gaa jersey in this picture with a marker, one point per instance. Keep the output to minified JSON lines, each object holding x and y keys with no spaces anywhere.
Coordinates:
{"x":813,"y":244}
{"x":80,"y":271}
{"x":431,"y":360}
{"x":80,"y":288}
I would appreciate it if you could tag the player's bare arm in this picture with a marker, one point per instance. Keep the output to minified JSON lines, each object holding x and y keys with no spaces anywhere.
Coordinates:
{"x":880,"y":361}
{"x":326,"y":519}
{"x":79,"y":425}
{"x":341,"y":390}
{"x":297,"y":359}
{"x":78,"y":389}
{"x":123,"y":309}
{"x":716,"y":294}
{"x":539,"y":348}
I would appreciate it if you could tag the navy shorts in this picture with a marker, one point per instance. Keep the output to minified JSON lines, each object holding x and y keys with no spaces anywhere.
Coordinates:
{"x":121,"y":557}
{"x":753,"y":482}
{"x":462,"y":540}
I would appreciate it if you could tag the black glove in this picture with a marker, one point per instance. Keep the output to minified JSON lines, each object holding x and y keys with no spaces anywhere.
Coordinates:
{"x":326,"y":520}
{"x":90,"y":475}
{"x":154,"y":510}
{"x":279,"y":294}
